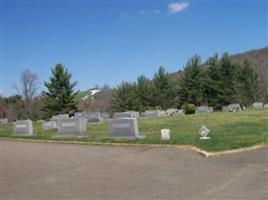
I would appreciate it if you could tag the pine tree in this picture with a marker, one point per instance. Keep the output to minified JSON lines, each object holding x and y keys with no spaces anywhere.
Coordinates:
{"x":228,"y":75}
{"x":191,"y":84}
{"x":145,"y":93}
{"x":213,"y":82}
{"x":164,"y":90}
{"x":60,"y":94}
{"x":246,"y":86}
{"x":125,"y":98}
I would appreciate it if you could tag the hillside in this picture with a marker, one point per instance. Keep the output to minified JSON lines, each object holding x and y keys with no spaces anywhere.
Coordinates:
{"x":259,"y":57}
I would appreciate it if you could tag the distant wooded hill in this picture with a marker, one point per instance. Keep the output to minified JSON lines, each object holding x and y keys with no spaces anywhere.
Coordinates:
{"x":259,"y":57}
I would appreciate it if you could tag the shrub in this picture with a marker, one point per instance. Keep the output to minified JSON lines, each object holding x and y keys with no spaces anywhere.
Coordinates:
{"x":188,"y":108}
{"x":158,"y":108}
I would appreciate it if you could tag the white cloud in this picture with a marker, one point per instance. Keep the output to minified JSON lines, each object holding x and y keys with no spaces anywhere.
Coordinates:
{"x":177,"y":7}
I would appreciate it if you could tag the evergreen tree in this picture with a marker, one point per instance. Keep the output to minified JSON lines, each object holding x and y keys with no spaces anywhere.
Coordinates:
{"x":145,"y":93}
{"x":125,"y":98}
{"x":212,"y":87}
{"x":60,"y":94}
{"x":246,"y":86}
{"x":228,"y":74}
{"x":191,"y":83}
{"x":164,"y":90}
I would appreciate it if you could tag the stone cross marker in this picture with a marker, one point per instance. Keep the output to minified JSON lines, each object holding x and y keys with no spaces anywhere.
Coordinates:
{"x":124,"y":128}
{"x":23,"y":127}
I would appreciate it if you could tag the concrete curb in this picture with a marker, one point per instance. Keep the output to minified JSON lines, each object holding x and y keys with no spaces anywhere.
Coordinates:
{"x":182,"y":147}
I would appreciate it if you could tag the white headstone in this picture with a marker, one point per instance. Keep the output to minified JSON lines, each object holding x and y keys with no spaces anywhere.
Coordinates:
{"x":171,"y":111}
{"x":165,"y":134}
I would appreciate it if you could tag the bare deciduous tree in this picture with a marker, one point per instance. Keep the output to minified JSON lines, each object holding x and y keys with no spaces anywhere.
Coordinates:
{"x":27,"y":89}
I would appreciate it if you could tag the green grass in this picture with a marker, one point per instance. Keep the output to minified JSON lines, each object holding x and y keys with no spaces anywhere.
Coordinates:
{"x":228,"y":130}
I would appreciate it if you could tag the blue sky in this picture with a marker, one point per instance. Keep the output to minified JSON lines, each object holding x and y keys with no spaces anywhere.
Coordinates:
{"x":111,"y":41}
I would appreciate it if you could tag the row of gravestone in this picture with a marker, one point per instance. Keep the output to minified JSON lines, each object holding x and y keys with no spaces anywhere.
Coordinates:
{"x":236,"y":107}
{"x":96,"y":117}
{"x":125,"y":128}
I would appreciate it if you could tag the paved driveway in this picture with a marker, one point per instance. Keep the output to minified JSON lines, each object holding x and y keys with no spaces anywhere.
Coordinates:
{"x":67,"y":171}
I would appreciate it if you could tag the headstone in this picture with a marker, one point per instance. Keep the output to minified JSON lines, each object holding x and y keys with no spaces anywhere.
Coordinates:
{"x":3,"y":120}
{"x":49,"y":125}
{"x":165,"y":134}
{"x":210,"y":109}
{"x":152,"y":113}
{"x":202,"y":109}
{"x":40,"y":121}
{"x":203,"y":132}
{"x":265,"y":105}
{"x":79,"y":114}
{"x":124,"y":128}
{"x":171,"y":111}
{"x":72,"y":126}
{"x":225,"y":109}
{"x":94,"y":117}
{"x":23,"y":128}
{"x":180,"y":112}
{"x":123,"y":115}
{"x":104,"y":115}
{"x":258,"y":105}
{"x":61,"y":116}
{"x":232,"y":108}
{"x":134,"y":113}
{"x":162,"y":113}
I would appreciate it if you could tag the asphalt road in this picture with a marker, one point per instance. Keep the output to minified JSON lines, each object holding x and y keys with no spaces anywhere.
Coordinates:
{"x":67,"y":171}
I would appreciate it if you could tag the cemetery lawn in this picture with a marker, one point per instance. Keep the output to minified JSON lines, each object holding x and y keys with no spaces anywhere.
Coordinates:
{"x":228,"y":130}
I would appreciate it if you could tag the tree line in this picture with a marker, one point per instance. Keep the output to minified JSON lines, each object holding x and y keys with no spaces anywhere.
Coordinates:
{"x":217,"y":82}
